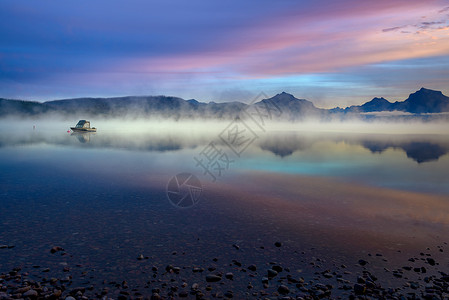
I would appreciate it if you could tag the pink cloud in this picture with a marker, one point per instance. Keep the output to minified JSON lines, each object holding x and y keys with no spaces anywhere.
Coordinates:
{"x":319,"y":39}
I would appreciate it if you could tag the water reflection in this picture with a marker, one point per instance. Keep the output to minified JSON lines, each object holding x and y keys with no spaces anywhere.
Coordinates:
{"x":419,"y":151}
{"x":83,"y":137}
{"x":419,"y":148}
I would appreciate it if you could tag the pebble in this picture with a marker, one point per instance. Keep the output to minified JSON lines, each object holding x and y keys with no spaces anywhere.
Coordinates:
{"x":252,"y":268}
{"x":414,"y":285}
{"x":359,"y":289}
{"x":30,"y":294}
{"x":169,"y":286}
{"x":197,"y":269}
{"x":195,"y":286}
{"x":283,"y":289}
{"x":213,"y":278}
{"x":229,"y":294}
{"x":271,"y":273}
{"x":237,"y":263}
{"x":22,"y":290}
{"x":56,"y":249}
{"x":80,"y":289}
{"x":278,"y":244}
{"x":155,"y":296}
{"x":183,"y":294}
{"x":362,"y":262}
{"x":277,"y":268}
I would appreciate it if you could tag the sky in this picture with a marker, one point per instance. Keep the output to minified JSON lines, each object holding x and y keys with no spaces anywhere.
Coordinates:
{"x":333,"y":53}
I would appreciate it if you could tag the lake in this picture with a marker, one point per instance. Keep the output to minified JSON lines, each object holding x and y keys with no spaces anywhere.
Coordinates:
{"x":143,"y":208}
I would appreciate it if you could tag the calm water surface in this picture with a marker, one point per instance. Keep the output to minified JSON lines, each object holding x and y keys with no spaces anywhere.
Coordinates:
{"x":102,"y":197}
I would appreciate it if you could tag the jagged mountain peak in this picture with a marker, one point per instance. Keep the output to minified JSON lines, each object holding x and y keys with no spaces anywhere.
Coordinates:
{"x":423,"y":92}
{"x":379,"y":99}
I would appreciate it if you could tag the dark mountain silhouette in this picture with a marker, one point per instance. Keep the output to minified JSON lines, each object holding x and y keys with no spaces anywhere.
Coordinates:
{"x":286,"y":106}
{"x":424,"y":101}
{"x":420,"y":102}
{"x":281,"y":106}
{"x":19,"y":107}
{"x":377,"y":104}
{"x":133,"y":106}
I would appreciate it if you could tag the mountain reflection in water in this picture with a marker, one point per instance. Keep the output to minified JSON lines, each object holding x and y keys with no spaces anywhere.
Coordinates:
{"x":419,"y":148}
{"x":407,"y":161}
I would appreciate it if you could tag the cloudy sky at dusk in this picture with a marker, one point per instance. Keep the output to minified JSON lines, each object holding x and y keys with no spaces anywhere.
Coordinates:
{"x":330,"y":52}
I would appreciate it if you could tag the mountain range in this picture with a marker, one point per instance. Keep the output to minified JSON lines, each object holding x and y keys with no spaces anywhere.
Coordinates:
{"x":420,"y":103}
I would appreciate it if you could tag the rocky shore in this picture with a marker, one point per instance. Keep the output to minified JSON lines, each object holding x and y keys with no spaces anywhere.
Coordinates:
{"x":421,"y":277}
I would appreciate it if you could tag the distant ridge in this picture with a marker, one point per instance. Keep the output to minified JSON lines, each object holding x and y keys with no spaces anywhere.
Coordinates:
{"x":377,"y":104}
{"x":420,"y":102}
{"x":423,"y":101}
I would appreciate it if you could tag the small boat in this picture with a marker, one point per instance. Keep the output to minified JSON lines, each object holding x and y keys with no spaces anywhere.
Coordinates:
{"x":83,"y":126}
